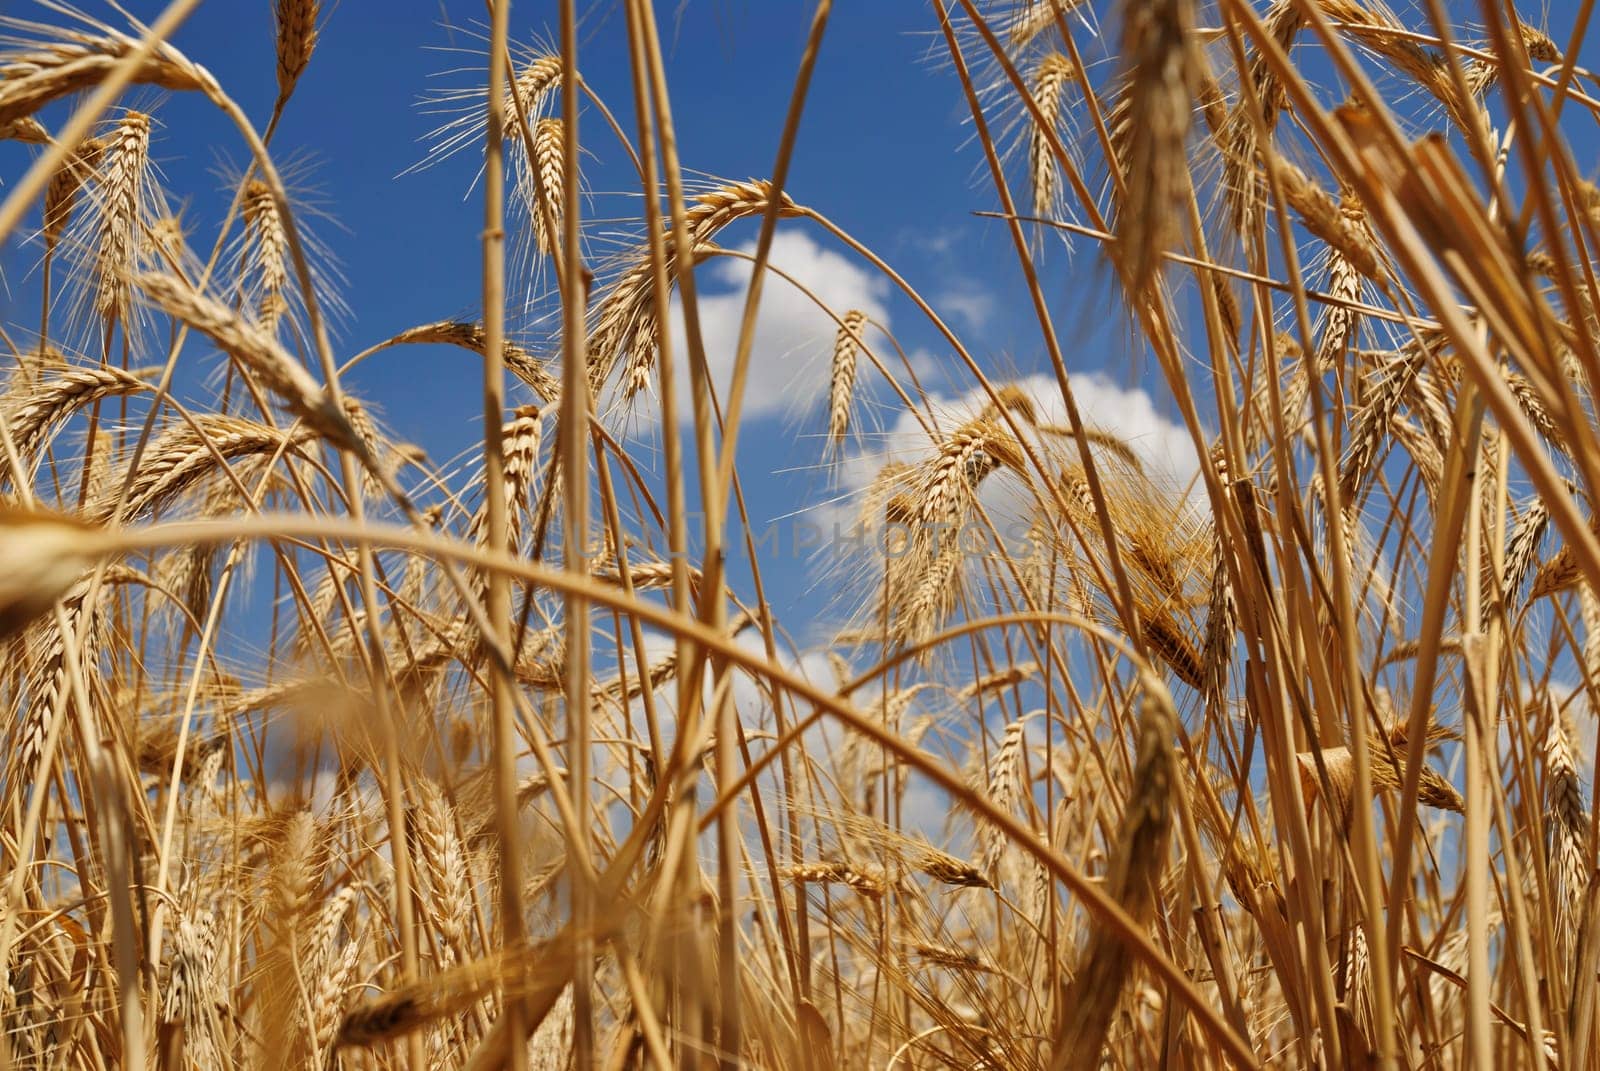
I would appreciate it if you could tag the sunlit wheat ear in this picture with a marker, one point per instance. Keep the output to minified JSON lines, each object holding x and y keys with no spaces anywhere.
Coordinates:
{"x":298,"y":853}
{"x":297,"y":870}
{"x":1238,"y":138}
{"x":470,"y":336}
{"x":1338,"y":321}
{"x":1018,"y":400}
{"x":536,"y":974}
{"x":550,"y":1048}
{"x":1324,"y":217}
{"x":1358,"y":981}
{"x":34,"y":415}
{"x":954,"y":959}
{"x":542,"y":198}
{"x":188,"y":999}
{"x":643,"y":575}
{"x":35,"y":72}
{"x":868,"y":883}
{"x":1132,"y":880}
{"x":188,"y":572}
{"x":322,"y":599}
{"x":1482,"y":75}
{"x":1075,"y":487}
{"x":1005,"y":787}
{"x":946,"y":868}
{"x":332,"y":992}
{"x":165,"y":240}
{"x":537,"y":79}
{"x":1377,"y":28}
{"x":257,"y":351}
{"x":842,"y":379}
{"x":923,"y":581}
{"x":657,"y":674}
{"x":1222,"y":623}
{"x":1387,"y":773}
{"x":45,"y":669}
{"x":182,"y":457}
{"x":520,"y":437}
{"x":624,"y":326}
{"x":1258,"y":423}
{"x":1050,"y":79}
{"x":98,"y":462}
{"x":297,"y":39}
{"x":27,"y":130}
{"x":1029,"y":21}
{"x":444,"y":863}
{"x":1169,"y":642}
{"x":1377,"y":417}
{"x":971,"y":453}
{"x":1556,"y":574}
{"x":371,"y":442}
{"x":1522,"y":549}
{"x":268,"y":270}
{"x":61,"y":195}
{"x":1158,"y":50}
{"x":1589,"y":609}
{"x":122,"y":180}
{"x":1568,"y":836}
{"x":1527,"y":399}
{"x":1009,"y":677}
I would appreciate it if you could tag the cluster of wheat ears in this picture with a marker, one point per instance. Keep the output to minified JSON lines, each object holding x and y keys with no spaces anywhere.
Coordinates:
{"x":1278,"y":767}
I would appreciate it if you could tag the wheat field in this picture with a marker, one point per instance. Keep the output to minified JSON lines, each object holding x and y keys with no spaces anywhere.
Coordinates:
{"x":1280,"y":764}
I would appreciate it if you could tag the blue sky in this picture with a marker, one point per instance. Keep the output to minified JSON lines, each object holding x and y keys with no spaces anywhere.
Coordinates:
{"x":884,"y":151}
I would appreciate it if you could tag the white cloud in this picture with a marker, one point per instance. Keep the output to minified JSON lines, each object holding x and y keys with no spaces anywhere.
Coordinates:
{"x":1163,"y":446}
{"x":970,"y":305}
{"x":790,"y":356}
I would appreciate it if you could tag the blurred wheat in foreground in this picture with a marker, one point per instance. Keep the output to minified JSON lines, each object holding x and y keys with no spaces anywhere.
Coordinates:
{"x":1280,"y":760}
